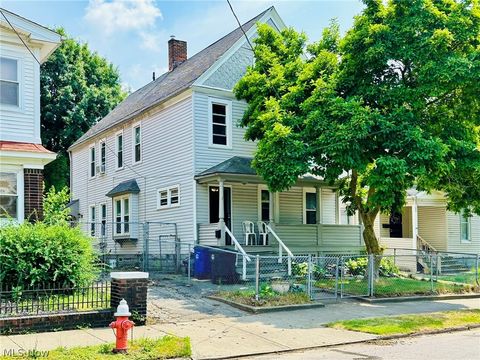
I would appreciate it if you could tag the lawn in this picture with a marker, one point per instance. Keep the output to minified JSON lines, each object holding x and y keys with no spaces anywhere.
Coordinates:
{"x":409,"y":324}
{"x":142,"y":349}
{"x":466,"y":278}
{"x":394,"y":286}
{"x":247,"y":297}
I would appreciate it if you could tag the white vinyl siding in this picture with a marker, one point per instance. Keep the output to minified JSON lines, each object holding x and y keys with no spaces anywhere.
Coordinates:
{"x":329,"y":206}
{"x":432,"y":226}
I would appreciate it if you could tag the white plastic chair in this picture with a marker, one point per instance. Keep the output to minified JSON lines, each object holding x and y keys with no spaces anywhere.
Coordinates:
{"x":263,"y":232}
{"x":249,"y":232}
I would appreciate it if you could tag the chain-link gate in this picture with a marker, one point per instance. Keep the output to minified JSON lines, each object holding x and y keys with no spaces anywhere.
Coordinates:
{"x":354,"y":275}
{"x":162,"y":252}
{"x":324,"y":277}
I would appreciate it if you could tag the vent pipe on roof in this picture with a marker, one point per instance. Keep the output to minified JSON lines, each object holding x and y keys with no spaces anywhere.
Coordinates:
{"x":177,"y":52}
{"x":153,"y":76}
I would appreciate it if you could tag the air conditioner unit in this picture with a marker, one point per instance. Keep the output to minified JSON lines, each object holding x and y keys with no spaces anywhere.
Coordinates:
{"x":100,"y":169}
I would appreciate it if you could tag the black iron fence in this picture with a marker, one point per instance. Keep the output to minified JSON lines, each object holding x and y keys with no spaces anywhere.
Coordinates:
{"x":53,"y":298}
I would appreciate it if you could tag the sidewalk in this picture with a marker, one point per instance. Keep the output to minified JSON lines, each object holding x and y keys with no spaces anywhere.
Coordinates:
{"x":215,"y":335}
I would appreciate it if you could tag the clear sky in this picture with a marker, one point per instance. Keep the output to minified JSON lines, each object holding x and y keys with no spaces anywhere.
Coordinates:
{"x":133,"y":34}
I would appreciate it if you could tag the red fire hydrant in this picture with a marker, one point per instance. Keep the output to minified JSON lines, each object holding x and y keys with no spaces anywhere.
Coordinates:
{"x":122,"y":325}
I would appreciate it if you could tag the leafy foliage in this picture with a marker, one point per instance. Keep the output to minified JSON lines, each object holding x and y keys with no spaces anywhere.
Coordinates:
{"x":78,"y":88}
{"x":54,"y":206}
{"x":390,"y":106}
{"x":32,"y":254}
{"x":358,"y":266}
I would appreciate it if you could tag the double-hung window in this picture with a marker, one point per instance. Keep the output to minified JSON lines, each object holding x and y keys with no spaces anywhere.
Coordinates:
{"x":137,"y":144}
{"x":264,"y":205}
{"x":464,"y":227}
{"x":310,"y":208}
{"x":9,"y":83}
{"x":92,"y":220}
{"x":119,"y":150}
{"x":220,"y":123}
{"x":92,"y":161}
{"x":122,"y":215}
{"x":103,"y":156}
{"x":168,"y":197}
{"x":103,"y":216}
{"x":8,"y":195}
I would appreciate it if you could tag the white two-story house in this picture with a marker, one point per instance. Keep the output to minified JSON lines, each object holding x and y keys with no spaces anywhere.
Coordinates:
{"x":173,"y":153}
{"x":24,"y":45}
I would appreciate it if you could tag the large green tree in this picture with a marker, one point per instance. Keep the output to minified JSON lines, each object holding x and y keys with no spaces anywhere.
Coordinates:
{"x":78,"y":88}
{"x":392,"y":105}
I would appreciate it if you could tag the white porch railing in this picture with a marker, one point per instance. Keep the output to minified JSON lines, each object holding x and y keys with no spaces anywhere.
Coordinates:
{"x":281,"y":247}
{"x":240,"y":249}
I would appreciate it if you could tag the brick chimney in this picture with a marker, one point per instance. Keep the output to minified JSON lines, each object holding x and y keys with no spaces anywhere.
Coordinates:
{"x":177,"y":52}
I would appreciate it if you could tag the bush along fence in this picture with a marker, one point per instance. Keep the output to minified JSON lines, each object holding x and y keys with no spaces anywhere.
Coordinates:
{"x":264,"y":280}
{"x":56,"y":307}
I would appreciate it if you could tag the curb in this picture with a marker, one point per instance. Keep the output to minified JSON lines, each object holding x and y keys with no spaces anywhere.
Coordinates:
{"x":268,"y":309}
{"x":416,"y":298}
{"x":390,"y":337}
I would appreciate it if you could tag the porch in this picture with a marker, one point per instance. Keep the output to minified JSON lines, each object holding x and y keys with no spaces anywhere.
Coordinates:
{"x":309,"y":218}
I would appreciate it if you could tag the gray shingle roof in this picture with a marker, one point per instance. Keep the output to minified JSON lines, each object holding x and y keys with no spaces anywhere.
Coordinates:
{"x":168,"y":84}
{"x":234,"y":165}
{"x":125,"y":187}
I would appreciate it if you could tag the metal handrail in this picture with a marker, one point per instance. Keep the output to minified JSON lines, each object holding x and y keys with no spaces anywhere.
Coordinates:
{"x":281,"y":245}
{"x":238,"y":247}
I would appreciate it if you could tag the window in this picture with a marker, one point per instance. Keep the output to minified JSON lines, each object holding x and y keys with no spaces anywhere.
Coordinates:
{"x":168,"y":197}
{"x":137,"y":144}
{"x":92,"y":161}
{"x":265,"y":205}
{"x":119,"y":148}
{"x":9,"y":84}
{"x":92,"y":220}
{"x":122,"y":215}
{"x":8,"y":195}
{"x":103,"y":156}
{"x":464,"y":227}
{"x":103,"y":216}
{"x":220,"y":123}
{"x":310,"y":208}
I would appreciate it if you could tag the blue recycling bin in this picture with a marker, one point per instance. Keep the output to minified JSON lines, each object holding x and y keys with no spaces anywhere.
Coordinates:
{"x":203,"y":263}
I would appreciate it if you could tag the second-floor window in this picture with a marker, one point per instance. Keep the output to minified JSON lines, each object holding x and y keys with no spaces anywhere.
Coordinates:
{"x":220,"y":123}
{"x":137,"y":144}
{"x":92,"y":161}
{"x":103,"y":156}
{"x":9,"y":83}
{"x":119,"y":149}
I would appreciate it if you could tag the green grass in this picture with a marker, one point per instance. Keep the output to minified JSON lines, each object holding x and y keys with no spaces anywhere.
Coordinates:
{"x":409,"y":324}
{"x":465,"y":278}
{"x":247,"y":297}
{"x":141,"y":349}
{"x":395,"y":286}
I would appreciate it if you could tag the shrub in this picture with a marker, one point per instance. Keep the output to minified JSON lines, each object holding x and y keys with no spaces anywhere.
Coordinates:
{"x":358,"y":266}
{"x":55,"y":209}
{"x":32,"y":254}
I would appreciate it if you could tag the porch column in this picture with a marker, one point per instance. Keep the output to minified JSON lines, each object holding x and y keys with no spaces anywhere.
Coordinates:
{"x":415,"y":221}
{"x":337,"y":208}
{"x":221,"y":210}
{"x":271,"y":208}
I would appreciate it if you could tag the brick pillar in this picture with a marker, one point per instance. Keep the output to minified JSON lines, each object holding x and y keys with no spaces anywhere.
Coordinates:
{"x":33,"y":190}
{"x":131,"y":286}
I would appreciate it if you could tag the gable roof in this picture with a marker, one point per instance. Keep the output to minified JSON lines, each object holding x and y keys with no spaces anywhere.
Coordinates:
{"x":48,"y":39}
{"x":169,"y":84}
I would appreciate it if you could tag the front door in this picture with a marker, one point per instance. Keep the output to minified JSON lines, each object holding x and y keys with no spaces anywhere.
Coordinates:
{"x":213,"y":202}
{"x":396,"y":225}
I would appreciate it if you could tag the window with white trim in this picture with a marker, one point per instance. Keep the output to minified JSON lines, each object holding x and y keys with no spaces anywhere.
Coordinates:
{"x":103,"y":157}
{"x":220,"y":123}
{"x":92,"y":161}
{"x":168,"y":197}
{"x":122,"y":215}
{"x":103,"y":217}
{"x":464,"y":227}
{"x":264,"y":205}
{"x":8,"y":195}
{"x":9,"y":83}
{"x":119,"y":149}
{"x":137,"y":144}
{"x":310,"y":208}
{"x":92,"y":219}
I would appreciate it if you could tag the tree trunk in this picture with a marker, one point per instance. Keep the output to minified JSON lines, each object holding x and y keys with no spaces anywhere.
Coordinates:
{"x":372,"y":244}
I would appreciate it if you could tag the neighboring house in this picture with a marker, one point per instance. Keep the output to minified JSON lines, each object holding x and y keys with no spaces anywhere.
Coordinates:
{"x":22,"y":156}
{"x":425,"y":223}
{"x":171,"y":152}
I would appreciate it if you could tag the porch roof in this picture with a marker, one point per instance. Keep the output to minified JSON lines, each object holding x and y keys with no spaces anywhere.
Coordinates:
{"x":125,"y":187}
{"x":239,"y":169}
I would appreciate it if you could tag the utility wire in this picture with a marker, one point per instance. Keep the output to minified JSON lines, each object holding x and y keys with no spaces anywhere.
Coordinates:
{"x":8,"y":21}
{"x":240,"y":24}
